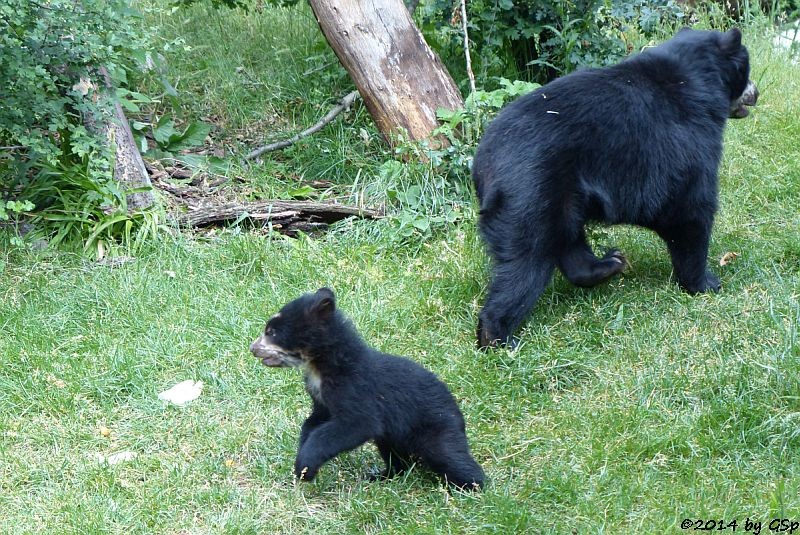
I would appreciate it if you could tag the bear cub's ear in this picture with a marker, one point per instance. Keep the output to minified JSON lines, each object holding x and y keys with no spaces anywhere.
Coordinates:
{"x":323,"y":304}
{"x":731,"y":41}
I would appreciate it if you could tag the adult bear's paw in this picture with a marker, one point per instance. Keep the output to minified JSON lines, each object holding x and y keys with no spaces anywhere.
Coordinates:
{"x":490,"y":338}
{"x":708,"y":283}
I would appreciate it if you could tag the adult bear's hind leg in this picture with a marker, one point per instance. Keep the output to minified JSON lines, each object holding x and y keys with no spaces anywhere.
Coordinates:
{"x":582,"y":268}
{"x":516,"y":286}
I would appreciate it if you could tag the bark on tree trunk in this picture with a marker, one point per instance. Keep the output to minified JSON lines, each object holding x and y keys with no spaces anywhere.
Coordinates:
{"x":402,"y":81}
{"x":129,"y":169}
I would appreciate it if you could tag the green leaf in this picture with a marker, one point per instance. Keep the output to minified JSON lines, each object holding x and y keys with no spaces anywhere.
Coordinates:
{"x":168,"y":88}
{"x":142,"y":142}
{"x":163,"y":131}
{"x":129,"y":105}
{"x":140,"y":97}
{"x":194,"y":135}
{"x":422,"y":223}
{"x":219,"y":165}
{"x":302,"y":192}
{"x":20,"y":206}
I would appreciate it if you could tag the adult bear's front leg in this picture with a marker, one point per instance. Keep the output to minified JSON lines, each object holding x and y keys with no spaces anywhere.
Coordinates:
{"x":688,"y":246}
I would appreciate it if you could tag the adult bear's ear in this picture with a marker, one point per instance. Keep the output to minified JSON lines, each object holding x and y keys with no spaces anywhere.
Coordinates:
{"x":731,"y":41}
{"x":324,"y":304}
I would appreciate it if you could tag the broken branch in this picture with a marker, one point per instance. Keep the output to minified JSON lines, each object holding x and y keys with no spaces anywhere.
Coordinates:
{"x":345,"y":103}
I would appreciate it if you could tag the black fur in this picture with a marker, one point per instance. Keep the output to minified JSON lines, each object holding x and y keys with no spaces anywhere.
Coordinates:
{"x":639,"y":143}
{"x":360,"y":394}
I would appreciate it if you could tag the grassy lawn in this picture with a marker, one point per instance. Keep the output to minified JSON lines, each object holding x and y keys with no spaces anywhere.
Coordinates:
{"x":627,"y":408}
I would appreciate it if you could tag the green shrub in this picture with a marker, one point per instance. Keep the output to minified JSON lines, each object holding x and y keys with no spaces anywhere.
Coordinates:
{"x":49,"y":50}
{"x":538,"y":39}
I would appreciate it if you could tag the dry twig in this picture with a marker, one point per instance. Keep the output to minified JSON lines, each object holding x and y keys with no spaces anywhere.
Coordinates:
{"x":345,"y":103}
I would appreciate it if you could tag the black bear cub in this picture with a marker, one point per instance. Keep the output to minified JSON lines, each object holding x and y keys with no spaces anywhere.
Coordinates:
{"x":360,"y":394}
{"x":638,"y":143}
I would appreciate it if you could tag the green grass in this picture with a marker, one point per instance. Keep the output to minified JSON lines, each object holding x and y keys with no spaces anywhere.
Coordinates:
{"x":628,"y":407}
{"x":263,"y":76}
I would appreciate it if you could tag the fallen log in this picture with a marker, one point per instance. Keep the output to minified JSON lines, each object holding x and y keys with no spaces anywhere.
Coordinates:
{"x":287,"y":217}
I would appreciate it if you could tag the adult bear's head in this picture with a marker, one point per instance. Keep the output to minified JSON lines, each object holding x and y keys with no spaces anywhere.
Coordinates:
{"x":721,"y":56}
{"x":735,"y":62}
{"x":736,"y":72}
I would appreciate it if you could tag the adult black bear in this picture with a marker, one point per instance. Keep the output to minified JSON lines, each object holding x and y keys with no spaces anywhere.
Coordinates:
{"x":639,"y":143}
{"x":360,"y":394}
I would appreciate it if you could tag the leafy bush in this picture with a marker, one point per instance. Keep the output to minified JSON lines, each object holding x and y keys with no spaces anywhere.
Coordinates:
{"x":538,"y":39}
{"x":50,"y":52}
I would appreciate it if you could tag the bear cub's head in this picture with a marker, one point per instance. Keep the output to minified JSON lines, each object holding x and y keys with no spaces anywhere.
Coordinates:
{"x":290,"y":336}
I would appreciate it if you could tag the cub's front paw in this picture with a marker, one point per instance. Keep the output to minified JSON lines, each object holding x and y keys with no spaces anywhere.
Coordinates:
{"x":618,"y":257}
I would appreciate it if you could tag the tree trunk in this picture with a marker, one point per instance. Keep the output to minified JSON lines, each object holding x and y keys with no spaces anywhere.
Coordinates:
{"x":402,"y":81}
{"x":129,"y":169}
